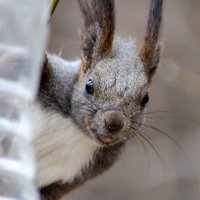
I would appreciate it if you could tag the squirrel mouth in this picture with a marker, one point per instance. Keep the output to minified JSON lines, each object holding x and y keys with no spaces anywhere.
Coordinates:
{"x":103,"y":139}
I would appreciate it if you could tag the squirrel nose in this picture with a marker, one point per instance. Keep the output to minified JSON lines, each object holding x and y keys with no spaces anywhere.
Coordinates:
{"x":114,"y":121}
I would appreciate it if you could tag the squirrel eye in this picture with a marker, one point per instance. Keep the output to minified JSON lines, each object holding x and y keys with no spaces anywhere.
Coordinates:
{"x":144,"y":100}
{"x":89,"y":87}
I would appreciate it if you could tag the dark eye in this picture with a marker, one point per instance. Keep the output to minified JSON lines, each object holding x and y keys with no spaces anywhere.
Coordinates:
{"x":144,"y":100}
{"x":89,"y":87}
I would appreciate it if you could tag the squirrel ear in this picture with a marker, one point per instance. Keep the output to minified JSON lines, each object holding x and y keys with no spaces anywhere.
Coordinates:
{"x":150,"y":51}
{"x":97,"y":31}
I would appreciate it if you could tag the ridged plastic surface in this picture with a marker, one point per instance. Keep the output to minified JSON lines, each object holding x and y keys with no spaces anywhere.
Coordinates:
{"x":23,"y":34}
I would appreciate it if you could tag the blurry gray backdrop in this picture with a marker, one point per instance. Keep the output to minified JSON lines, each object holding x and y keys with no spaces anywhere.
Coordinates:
{"x":140,"y":174}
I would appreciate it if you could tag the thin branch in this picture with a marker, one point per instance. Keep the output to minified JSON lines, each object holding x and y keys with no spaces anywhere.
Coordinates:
{"x":52,"y":6}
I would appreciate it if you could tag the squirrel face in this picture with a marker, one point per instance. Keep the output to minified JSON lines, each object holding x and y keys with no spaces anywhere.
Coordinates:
{"x":112,"y":87}
{"x":109,"y":97}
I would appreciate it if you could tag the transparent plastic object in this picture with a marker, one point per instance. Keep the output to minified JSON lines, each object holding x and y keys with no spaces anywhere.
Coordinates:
{"x":16,"y":187}
{"x":23,"y":34}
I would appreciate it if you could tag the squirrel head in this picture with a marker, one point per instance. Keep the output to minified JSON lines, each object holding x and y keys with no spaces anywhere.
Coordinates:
{"x":112,"y":88}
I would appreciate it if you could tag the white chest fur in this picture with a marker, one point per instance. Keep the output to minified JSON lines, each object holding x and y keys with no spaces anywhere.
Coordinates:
{"x":62,"y":150}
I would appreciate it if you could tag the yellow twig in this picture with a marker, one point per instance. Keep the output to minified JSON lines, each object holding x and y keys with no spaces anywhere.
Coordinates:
{"x":52,"y":6}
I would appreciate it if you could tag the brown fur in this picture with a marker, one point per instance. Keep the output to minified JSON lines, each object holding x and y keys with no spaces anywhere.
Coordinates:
{"x":150,"y":51}
{"x":98,"y":30}
{"x":120,"y":77}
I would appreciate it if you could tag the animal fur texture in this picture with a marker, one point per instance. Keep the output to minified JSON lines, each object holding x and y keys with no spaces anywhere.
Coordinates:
{"x":66,"y":150}
{"x":86,"y":110}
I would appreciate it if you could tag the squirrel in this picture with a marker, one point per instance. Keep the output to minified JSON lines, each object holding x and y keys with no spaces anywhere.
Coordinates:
{"x":86,"y":110}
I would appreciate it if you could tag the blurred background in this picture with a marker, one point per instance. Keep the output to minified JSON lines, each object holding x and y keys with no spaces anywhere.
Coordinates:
{"x":140,"y":174}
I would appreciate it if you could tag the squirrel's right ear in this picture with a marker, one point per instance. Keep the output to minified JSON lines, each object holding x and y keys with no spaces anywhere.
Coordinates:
{"x":150,"y":51}
{"x":97,"y":31}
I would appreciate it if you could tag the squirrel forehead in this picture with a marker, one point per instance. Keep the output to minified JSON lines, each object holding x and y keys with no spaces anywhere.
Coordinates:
{"x":123,"y":72}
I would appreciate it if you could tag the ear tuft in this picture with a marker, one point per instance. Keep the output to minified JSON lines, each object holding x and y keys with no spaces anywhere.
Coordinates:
{"x":150,"y":51}
{"x":97,"y":31}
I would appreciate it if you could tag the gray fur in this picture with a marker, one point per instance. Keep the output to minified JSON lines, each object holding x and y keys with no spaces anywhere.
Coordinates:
{"x":57,"y":83}
{"x":124,"y":68}
{"x":121,"y":80}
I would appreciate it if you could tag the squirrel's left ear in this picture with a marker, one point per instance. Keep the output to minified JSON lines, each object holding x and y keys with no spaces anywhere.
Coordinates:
{"x":150,"y":51}
{"x":97,"y":31}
